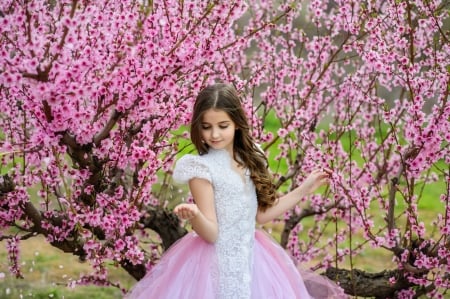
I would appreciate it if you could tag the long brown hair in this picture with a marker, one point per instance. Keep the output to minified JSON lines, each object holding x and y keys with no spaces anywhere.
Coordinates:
{"x":224,"y":97}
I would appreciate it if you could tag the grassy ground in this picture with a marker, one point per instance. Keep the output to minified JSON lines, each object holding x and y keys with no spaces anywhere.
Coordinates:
{"x":47,"y":270}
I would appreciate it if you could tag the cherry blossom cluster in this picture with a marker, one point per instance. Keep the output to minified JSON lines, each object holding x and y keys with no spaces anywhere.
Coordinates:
{"x":90,"y":94}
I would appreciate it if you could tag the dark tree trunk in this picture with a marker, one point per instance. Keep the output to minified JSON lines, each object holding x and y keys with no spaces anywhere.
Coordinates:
{"x":136,"y":271}
{"x":363,"y":284}
{"x":165,"y":223}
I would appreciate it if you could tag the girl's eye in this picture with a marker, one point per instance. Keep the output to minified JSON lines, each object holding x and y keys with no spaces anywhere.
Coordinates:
{"x":208,"y":127}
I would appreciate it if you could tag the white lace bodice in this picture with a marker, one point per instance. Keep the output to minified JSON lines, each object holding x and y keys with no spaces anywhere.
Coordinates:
{"x":236,"y":205}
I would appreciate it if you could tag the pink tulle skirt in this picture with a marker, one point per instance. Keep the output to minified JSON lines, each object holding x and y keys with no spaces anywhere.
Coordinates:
{"x":185,"y":272}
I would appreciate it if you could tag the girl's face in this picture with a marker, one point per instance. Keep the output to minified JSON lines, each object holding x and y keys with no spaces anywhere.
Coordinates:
{"x":217,"y":129}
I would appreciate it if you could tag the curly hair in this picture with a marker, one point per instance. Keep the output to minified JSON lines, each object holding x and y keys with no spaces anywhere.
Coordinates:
{"x":245,"y":152}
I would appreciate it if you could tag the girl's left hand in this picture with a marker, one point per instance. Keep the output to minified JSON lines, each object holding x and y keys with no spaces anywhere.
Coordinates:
{"x":186,"y":211}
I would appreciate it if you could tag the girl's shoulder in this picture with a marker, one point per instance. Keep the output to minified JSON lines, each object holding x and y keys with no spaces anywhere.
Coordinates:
{"x":191,"y":166}
{"x":201,"y":166}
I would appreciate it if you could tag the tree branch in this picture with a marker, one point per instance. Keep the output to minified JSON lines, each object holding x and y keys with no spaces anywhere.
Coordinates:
{"x":104,"y":133}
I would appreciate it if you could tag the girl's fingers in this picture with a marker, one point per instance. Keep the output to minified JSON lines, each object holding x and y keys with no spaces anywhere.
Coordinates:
{"x":328,"y":171}
{"x":323,"y":171}
{"x":185,"y":211}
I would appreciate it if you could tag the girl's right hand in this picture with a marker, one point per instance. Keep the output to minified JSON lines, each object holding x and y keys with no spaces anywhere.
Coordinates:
{"x":186,"y":211}
{"x":316,"y":179}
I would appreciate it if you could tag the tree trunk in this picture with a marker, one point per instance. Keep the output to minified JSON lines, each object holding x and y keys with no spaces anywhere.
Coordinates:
{"x":363,"y":284}
{"x":165,"y":223}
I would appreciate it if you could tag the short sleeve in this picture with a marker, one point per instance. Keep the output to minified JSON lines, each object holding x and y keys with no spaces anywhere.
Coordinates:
{"x":189,"y":167}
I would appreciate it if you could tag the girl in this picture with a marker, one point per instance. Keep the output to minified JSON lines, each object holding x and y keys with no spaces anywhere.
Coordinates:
{"x":226,"y":257}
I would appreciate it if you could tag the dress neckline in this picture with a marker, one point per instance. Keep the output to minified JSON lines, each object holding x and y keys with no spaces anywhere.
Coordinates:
{"x":242,"y":175}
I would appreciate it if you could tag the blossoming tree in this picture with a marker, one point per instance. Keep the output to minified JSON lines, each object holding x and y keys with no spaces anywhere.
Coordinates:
{"x":92,"y":95}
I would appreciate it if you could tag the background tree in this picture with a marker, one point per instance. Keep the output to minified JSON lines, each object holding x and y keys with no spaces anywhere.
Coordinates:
{"x":92,"y":93}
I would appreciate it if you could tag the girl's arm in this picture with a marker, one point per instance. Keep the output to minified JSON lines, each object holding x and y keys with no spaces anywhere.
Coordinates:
{"x":202,"y":214}
{"x":316,"y":179}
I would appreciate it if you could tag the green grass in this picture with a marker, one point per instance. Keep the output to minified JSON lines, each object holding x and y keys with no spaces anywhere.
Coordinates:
{"x":47,"y":271}
{"x":21,"y":290}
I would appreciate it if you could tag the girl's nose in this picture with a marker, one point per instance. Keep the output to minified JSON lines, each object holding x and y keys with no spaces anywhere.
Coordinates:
{"x":215,"y":133}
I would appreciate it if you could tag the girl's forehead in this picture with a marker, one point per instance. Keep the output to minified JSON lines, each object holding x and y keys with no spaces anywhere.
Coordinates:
{"x":215,"y":115}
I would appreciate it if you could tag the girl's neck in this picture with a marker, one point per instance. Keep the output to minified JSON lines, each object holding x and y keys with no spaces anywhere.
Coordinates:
{"x":228,"y":151}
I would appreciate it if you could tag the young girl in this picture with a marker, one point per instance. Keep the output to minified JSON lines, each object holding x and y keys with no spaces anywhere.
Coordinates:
{"x":230,"y":182}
